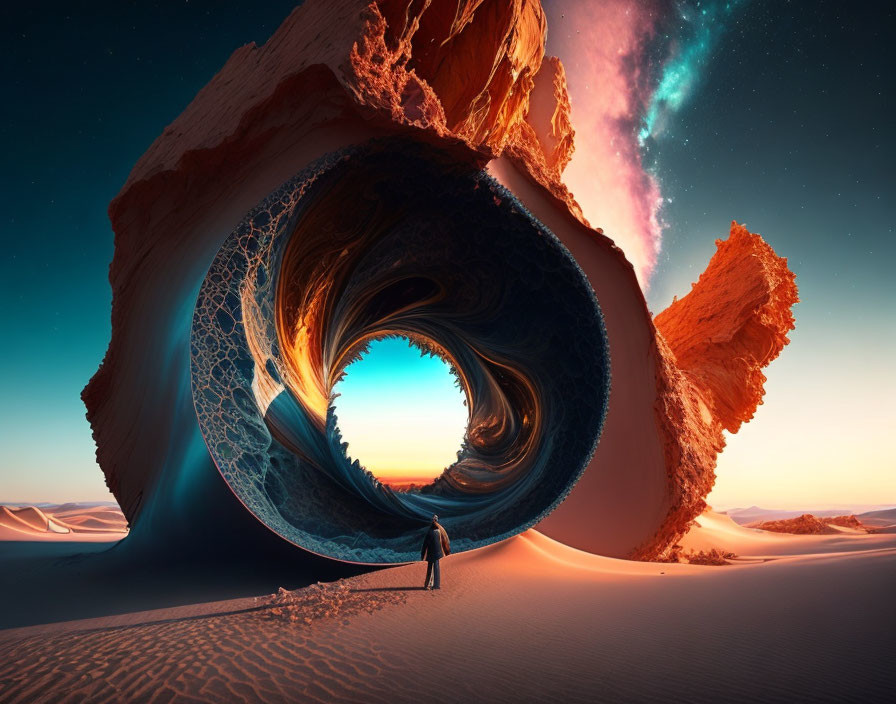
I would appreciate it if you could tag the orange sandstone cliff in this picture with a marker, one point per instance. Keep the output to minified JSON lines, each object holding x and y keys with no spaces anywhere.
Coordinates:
{"x":733,"y":323}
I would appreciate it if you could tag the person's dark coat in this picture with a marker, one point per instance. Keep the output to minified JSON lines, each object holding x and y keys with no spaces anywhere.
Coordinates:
{"x":435,"y":544}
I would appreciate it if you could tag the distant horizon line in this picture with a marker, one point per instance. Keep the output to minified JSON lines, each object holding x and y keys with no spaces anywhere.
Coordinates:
{"x":38,"y":504}
{"x":846,"y":506}
{"x":828,"y":507}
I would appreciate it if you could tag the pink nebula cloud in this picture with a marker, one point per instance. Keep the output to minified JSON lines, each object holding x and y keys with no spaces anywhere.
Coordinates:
{"x":604,"y":49}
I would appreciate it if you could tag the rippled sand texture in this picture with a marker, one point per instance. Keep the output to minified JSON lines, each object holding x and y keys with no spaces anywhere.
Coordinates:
{"x":525,"y":620}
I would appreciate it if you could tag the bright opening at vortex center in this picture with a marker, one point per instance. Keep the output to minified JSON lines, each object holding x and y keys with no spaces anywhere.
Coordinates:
{"x":403,"y":415}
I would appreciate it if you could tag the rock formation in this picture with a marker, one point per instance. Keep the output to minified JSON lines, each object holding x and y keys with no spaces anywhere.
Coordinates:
{"x":850,"y":521}
{"x":807,"y":524}
{"x":732,"y":324}
{"x":468,"y":78}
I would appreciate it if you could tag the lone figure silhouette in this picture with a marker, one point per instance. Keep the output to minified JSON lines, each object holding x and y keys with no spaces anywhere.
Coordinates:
{"x":435,"y":547}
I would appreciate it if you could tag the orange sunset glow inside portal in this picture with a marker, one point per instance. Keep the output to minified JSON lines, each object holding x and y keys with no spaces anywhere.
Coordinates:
{"x":403,"y":415}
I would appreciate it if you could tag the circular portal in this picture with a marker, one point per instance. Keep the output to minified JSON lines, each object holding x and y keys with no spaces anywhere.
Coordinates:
{"x":394,"y":239}
{"x":401,"y":412}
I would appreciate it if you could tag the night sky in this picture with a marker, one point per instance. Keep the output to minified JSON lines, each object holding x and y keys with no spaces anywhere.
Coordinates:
{"x":788,"y":128}
{"x":790,"y":131}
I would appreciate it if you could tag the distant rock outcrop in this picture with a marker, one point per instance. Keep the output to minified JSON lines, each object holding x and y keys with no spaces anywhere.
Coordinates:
{"x":807,"y":524}
{"x":850,"y":521}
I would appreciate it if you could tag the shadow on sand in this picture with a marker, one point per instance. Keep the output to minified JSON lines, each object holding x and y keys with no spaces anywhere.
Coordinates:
{"x":390,"y":589}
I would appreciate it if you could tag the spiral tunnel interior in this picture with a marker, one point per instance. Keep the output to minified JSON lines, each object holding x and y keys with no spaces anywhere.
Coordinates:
{"x":380,"y":240}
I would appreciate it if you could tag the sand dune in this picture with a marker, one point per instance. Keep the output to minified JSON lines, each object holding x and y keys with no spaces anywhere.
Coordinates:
{"x":527,"y":619}
{"x":717,"y":530}
{"x":879,"y":519}
{"x":755,"y":514}
{"x":64,"y":522}
{"x":93,"y":522}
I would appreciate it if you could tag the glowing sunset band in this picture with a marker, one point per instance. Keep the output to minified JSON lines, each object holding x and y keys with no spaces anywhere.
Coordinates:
{"x":402,"y":411}
{"x":386,"y":241}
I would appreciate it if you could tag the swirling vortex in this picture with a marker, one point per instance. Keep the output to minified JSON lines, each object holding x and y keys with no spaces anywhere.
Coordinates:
{"x":391,"y":238}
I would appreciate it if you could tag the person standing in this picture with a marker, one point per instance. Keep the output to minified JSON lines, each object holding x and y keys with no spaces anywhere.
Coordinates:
{"x":435,"y":546}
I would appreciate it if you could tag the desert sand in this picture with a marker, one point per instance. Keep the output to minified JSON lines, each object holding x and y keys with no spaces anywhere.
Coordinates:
{"x":72,"y":521}
{"x":718,"y":530}
{"x":793,"y":617}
